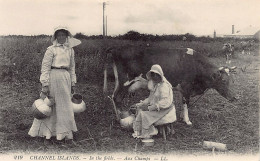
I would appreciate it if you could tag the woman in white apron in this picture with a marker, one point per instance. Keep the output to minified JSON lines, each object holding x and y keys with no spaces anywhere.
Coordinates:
{"x":157,"y":105}
{"x":58,"y":80}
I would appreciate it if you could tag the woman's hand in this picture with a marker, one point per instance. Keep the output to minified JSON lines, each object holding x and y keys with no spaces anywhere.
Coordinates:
{"x":44,"y":92}
{"x":138,"y":105}
{"x":152,"y":108}
{"x":145,"y":108}
{"x":73,"y":89}
{"x":133,"y":106}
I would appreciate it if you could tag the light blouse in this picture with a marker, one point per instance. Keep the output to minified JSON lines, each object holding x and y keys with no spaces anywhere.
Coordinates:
{"x":161,"y":96}
{"x":59,"y":56}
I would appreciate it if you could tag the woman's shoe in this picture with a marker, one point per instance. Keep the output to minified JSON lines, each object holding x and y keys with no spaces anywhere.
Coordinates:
{"x":141,"y":136}
{"x":60,"y":141}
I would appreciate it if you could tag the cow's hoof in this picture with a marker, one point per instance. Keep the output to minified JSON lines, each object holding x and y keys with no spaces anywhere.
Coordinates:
{"x":188,"y":123}
{"x":172,"y":132}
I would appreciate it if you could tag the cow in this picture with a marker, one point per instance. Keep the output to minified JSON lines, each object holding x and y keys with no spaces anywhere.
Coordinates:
{"x":246,"y":46}
{"x":228,"y":50}
{"x":186,"y":69}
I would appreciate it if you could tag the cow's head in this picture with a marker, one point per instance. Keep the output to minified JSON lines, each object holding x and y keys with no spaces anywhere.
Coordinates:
{"x":136,"y":84}
{"x":228,"y":47}
{"x":221,"y":82}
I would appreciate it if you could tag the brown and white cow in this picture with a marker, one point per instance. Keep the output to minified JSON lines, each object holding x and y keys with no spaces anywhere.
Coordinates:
{"x":228,"y":50}
{"x":184,"y":67}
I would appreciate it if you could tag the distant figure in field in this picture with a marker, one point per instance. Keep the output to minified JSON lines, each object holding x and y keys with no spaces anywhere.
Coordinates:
{"x":58,"y":80}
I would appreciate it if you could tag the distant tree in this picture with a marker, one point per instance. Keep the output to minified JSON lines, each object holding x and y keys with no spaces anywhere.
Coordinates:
{"x":80,"y":36}
{"x":132,"y":35}
{"x":190,"y":37}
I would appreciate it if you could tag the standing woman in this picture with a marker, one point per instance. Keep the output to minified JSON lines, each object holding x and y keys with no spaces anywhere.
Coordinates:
{"x":58,"y":80}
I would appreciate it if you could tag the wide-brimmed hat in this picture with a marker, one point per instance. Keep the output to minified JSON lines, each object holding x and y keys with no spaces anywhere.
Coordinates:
{"x":71,"y":42}
{"x":60,"y":28}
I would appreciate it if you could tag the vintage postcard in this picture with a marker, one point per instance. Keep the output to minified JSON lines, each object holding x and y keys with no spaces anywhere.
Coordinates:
{"x":129,"y":80}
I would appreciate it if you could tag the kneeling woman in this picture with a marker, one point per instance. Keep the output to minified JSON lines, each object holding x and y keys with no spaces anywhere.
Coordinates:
{"x":58,"y":80}
{"x":156,"y":106}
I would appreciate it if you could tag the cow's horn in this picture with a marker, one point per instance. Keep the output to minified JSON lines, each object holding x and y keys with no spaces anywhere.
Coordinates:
{"x":220,"y":68}
{"x":234,"y":67}
{"x":128,"y":82}
{"x":140,"y":76}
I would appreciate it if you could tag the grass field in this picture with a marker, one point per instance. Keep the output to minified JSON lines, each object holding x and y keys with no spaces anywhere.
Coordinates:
{"x":214,"y":118}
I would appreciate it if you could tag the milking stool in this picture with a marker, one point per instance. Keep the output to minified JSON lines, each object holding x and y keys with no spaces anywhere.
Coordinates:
{"x":165,"y":129}
{"x":165,"y":124}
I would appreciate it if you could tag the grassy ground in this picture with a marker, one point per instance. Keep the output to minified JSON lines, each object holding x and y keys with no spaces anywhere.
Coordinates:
{"x":214,"y":119}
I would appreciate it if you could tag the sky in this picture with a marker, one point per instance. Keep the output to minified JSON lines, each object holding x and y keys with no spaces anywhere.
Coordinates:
{"x":198,"y":17}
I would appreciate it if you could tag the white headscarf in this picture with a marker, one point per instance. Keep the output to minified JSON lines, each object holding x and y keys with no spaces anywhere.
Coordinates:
{"x":70,"y":42}
{"x":157,"y":69}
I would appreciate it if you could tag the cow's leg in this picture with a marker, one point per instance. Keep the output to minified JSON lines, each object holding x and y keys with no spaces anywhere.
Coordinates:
{"x":116,"y":80}
{"x":185,"y":89}
{"x":115,"y":89}
{"x":119,"y":90}
{"x":119,"y":93}
{"x":229,"y":58}
{"x":226,"y":58}
{"x":186,"y":114}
